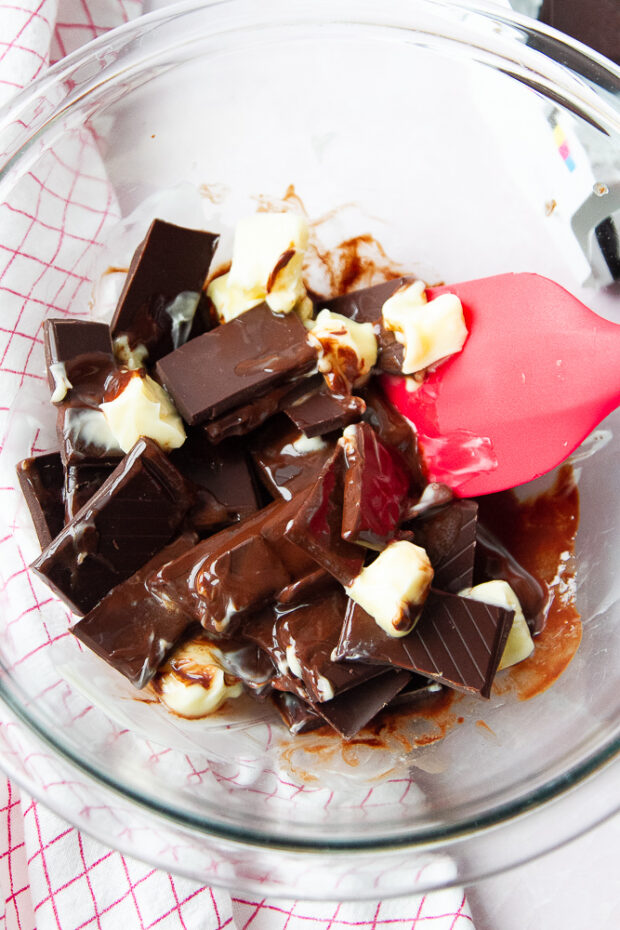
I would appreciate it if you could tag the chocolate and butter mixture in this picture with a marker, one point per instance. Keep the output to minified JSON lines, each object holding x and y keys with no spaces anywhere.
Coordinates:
{"x":235,"y":506}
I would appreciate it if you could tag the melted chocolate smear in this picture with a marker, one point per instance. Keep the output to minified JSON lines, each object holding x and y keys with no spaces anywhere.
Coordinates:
{"x":541,"y":534}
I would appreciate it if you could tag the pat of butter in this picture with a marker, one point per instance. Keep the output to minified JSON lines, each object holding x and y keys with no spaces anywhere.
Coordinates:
{"x":193,"y":683}
{"x":61,"y":382}
{"x":394,"y":587}
{"x":428,"y":330}
{"x":346,"y":348}
{"x":519,"y":644}
{"x":267,"y":262}
{"x":144,"y":409}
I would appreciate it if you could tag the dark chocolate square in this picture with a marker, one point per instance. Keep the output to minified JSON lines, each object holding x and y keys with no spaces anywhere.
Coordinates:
{"x":236,"y":362}
{"x":41,"y":479}
{"x":171,"y":260}
{"x":135,"y":512}
{"x":457,"y":641}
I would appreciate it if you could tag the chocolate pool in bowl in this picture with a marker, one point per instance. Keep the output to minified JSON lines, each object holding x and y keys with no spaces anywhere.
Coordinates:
{"x":415,"y":153}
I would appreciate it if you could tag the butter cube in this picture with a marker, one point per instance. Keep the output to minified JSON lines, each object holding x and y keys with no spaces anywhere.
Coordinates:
{"x":144,"y":409}
{"x":193,"y":683}
{"x":519,"y":644}
{"x":267,"y":262}
{"x":347,"y":350}
{"x":428,"y":330}
{"x":394,"y":587}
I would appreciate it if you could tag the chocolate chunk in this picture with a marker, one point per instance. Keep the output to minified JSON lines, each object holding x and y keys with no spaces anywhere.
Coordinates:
{"x":135,"y":512}
{"x":235,"y":363}
{"x":80,"y":361}
{"x":260,"y":628}
{"x":163,"y":288}
{"x":494,"y":561}
{"x":325,"y":411}
{"x":85,"y":436}
{"x":308,"y":634}
{"x":221,"y":472}
{"x":449,"y":537}
{"x":395,"y":431}
{"x":457,"y":641}
{"x":41,"y":480}
{"x":131,"y":629}
{"x":352,"y":710}
{"x":250,"y":416}
{"x":81,"y":482}
{"x":296,"y":713}
{"x":365,"y":305}
{"x":249,"y":663}
{"x":66,"y":340}
{"x":286,"y":462}
{"x":236,"y":571}
{"x":317,"y":525}
{"x":376,"y":486}
{"x":305,"y":589}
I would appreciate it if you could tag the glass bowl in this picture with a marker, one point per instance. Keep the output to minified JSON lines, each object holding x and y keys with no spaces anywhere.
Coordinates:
{"x":467,"y":141}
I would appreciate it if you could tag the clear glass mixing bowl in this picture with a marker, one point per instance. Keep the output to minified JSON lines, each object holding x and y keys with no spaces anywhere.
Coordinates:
{"x":456,"y":135}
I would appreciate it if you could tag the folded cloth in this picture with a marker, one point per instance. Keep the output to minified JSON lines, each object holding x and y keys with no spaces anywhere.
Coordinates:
{"x":52,"y":875}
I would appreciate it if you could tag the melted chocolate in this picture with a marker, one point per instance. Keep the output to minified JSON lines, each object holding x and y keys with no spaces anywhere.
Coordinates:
{"x":131,"y":629}
{"x":235,"y":571}
{"x":41,"y":480}
{"x":308,"y":634}
{"x":281,"y":466}
{"x":250,"y":416}
{"x":376,"y":486}
{"x":323,"y":411}
{"x":84,"y":349}
{"x":395,"y":431}
{"x":317,"y":524}
{"x":494,"y":561}
{"x":81,"y":482}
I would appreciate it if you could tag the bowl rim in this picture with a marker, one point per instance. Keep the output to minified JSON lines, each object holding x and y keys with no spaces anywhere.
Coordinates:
{"x":59,"y":76}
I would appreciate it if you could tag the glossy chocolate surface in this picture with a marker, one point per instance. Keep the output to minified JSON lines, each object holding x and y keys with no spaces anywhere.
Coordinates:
{"x":171,"y":260}
{"x":317,"y":524}
{"x":282,"y":465}
{"x":135,"y":512}
{"x":376,"y":488}
{"x":250,"y":416}
{"x":235,"y":363}
{"x":217,"y":473}
{"x":41,"y":480}
{"x":66,"y":340}
{"x":235,"y":571}
{"x":81,"y":482}
{"x":323,"y":411}
{"x":308,"y":634}
{"x":131,"y":629}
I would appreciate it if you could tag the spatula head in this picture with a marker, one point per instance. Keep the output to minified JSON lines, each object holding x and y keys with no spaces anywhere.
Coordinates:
{"x":538,"y":372}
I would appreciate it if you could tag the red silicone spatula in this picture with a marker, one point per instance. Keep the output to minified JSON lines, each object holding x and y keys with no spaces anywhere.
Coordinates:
{"x":538,"y":372}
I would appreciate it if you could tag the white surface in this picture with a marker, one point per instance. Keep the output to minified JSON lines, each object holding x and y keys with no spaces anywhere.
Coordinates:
{"x":574,"y":888}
